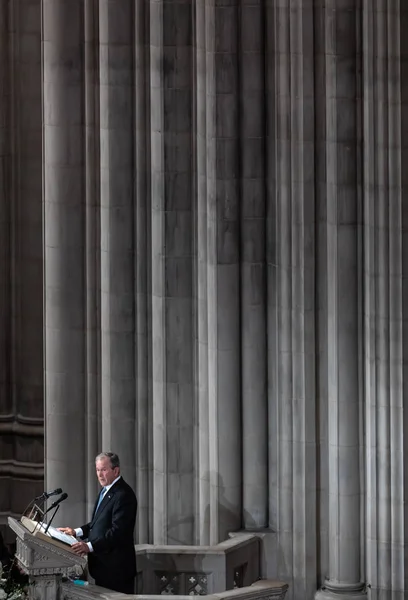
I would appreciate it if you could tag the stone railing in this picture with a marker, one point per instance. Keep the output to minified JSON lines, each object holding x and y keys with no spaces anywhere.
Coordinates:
{"x":261,"y":590}
{"x":198,"y":570}
{"x":227,"y":571}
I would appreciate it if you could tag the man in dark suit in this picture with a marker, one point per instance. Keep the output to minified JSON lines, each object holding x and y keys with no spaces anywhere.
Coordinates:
{"x":108,"y":537}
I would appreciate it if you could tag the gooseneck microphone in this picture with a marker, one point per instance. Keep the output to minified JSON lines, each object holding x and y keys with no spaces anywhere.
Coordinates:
{"x":46,"y":495}
{"x":63,"y":497}
{"x":36,"y":505}
{"x":55,"y":505}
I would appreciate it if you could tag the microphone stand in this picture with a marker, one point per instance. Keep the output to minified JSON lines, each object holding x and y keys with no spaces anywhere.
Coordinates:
{"x":38,"y":509}
{"x":52,"y":518}
{"x":35,"y":503}
{"x":33,"y":507}
{"x":37,"y":513}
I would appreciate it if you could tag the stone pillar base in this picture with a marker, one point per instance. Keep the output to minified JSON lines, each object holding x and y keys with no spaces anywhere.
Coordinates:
{"x":341,"y":591}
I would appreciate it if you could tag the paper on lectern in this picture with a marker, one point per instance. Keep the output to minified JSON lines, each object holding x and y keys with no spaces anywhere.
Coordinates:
{"x":52,"y":532}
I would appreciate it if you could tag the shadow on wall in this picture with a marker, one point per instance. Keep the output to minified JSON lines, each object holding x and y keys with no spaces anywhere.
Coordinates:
{"x":228,"y":514}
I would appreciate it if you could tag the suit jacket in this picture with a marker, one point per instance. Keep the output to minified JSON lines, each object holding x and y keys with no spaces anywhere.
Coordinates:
{"x":110,"y":532}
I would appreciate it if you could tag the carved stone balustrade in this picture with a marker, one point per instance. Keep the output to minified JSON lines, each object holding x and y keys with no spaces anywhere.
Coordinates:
{"x":199,"y":570}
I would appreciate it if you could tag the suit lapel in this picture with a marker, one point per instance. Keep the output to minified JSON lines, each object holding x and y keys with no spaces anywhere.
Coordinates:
{"x":107,"y":498}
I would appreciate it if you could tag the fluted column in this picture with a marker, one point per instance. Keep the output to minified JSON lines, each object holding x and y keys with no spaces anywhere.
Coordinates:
{"x":158,"y":341}
{"x":92,"y":244}
{"x":385,"y":331}
{"x":253,"y":278}
{"x":64,"y":277}
{"x":142,"y":212}
{"x":291,"y":301}
{"x":203,"y":151}
{"x":116,"y":60}
{"x":400,"y":125}
{"x":223,"y":222}
{"x":340,"y":217}
{"x":172,"y":270}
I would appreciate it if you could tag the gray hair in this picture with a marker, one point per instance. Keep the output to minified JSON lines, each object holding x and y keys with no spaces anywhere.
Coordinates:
{"x":114,"y":458}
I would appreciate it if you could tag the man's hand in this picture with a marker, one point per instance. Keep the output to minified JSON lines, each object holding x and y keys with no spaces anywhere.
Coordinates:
{"x":80,"y":548}
{"x":67,"y":530}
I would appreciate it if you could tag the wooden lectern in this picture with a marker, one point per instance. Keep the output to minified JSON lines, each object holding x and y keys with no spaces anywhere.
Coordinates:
{"x":45,"y":561}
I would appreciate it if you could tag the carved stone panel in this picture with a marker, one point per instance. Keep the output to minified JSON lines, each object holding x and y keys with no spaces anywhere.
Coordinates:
{"x":184,"y":584}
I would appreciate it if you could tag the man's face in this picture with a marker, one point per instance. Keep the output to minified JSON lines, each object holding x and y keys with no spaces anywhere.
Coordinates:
{"x":104,"y":472}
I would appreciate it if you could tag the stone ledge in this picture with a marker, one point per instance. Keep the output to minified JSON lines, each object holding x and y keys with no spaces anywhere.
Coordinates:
{"x":240,"y":540}
{"x":265,"y":588}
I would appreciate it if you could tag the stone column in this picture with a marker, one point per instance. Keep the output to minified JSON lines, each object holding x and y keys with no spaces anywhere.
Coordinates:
{"x":399,"y":40}
{"x":64,"y":253}
{"x":142,"y":274}
{"x":6,"y":398}
{"x":27,"y":213}
{"x":340,"y":217}
{"x":253,"y":279}
{"x":291,"y":284}
{"x":116,"y":61}
{"x":92,"y":246}
{"x":172,"y":270}
{"x":156,"y":178}
{"x":223,"y":223}
{"x":5,"y":171}
{"x":385,"y":330}
{"x":26,"y":267}
{"x":203,"y":83}
{"x":217,"y":270}
{"x":21,"y":290}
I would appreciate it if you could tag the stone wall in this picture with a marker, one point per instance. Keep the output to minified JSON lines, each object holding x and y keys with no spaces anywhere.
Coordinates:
{"x":223,"y":235}
{"x":21,"y":253}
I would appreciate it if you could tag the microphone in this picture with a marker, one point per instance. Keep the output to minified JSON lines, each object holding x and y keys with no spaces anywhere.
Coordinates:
{"x":55,"y":505}
{"x":47,"y":495}
{"x":58,"y":501}
{"x":35,"y":510}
